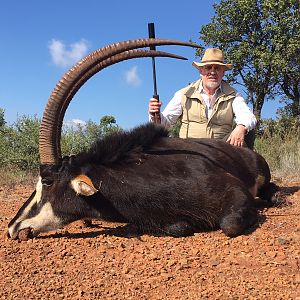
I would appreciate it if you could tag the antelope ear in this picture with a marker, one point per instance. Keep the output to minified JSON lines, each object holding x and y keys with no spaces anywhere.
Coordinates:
{"x":83,"y":185}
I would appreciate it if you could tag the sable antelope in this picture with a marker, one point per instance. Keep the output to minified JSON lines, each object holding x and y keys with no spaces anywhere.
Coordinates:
{"x":162,"y":185}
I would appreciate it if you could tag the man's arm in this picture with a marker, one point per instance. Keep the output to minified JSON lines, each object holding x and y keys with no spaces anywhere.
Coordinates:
{"x":244,"y":119}
{"x":243,"y":114}
{"x":170,"y":114}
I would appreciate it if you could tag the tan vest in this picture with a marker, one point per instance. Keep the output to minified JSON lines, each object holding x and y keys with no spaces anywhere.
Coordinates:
{"x":194,"y":123}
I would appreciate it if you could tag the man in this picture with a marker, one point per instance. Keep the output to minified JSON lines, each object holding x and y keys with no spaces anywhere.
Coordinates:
{"x":208,"y":107}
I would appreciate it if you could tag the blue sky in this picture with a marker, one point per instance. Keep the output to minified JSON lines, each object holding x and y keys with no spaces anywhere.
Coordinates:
{"x":41,"y":40}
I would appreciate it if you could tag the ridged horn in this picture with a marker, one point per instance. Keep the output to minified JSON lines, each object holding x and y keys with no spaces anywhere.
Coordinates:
{"x":70,"y":83}
{"x":110,"y":61}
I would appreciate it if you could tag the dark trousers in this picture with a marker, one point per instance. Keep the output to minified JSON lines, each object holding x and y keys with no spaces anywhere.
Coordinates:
{"x":250,"y":139}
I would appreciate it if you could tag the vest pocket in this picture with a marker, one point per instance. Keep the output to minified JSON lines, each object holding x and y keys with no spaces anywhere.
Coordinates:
{"x":195,"y":111}
{"x":224,"y":114}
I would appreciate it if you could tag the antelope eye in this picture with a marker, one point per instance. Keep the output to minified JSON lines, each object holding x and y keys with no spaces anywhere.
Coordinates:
{"x":47,"y":181}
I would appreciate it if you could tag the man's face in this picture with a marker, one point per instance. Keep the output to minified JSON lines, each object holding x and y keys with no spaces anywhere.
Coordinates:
{"x":212,"y":76}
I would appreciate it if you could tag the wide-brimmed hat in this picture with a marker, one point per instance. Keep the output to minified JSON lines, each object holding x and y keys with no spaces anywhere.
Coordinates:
{"x":212,"y":56}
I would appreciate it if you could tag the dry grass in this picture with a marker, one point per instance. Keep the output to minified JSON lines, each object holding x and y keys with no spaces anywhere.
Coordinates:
{"x":11,"y":178}
{"x":282,"y":155}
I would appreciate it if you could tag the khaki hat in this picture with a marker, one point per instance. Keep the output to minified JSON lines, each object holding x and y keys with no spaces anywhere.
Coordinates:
{"x":212,"y":56}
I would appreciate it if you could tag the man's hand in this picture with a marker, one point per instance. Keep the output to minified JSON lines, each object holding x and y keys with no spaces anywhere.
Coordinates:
{"x":237,"y":136}
{"x":154,"y":106}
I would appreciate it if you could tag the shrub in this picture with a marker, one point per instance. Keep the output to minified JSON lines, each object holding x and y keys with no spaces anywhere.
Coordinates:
{"x":19,"y":150}
{"x":277,"y":140}
{"x":80,"y":137}
{"x":19,"y":144}
{"x":279,"y":143}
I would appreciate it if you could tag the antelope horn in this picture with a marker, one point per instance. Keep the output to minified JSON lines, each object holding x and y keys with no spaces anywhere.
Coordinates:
{"x":70,"y":83}
{"x":100,"y":66}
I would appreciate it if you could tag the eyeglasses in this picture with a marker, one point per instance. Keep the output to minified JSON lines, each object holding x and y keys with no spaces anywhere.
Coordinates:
{"x":216,"y":68}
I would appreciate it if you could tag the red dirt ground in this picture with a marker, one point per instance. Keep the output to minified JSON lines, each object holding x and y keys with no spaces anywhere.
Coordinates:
{"x":104,"y":262}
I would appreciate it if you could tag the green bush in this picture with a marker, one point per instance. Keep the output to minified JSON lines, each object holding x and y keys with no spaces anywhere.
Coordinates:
{"x":80,"y":138}
{"x":277,"y":140}
{"x":19,"y":144}
{"x":19,"y":150}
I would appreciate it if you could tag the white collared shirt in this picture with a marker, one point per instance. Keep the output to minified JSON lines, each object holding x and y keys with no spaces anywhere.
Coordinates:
{"x":242,"y":113}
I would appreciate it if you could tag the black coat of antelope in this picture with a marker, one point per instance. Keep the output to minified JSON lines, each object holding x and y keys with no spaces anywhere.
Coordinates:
{"x":162,"y":185}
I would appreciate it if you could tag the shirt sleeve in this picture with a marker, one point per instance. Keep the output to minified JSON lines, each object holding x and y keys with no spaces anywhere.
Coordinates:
{"x":172,"y":112}
{"x":243,"y":114}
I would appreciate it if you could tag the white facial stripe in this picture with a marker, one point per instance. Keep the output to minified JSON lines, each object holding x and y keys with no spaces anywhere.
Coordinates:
{"x":44,"y":221}
{"x":37,"y":198}
{"x":38,"y":189}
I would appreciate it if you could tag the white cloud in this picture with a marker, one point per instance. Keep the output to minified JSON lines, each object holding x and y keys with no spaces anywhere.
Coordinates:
{"x":132,"y":77}
{"x":63,"y":57}
{"x":74,"y":124}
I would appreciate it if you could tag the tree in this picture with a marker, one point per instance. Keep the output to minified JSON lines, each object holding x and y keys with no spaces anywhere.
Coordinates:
{"x":19,"y":144}
{"x":252,"y":33}
{"x":289,"y":64}
{"x":81,"y":137}
{"x":108,"y":125}
{"x":2,"y":120}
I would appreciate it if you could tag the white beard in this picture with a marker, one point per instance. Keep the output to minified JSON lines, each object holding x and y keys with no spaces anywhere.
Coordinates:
{"x":212,"y":85}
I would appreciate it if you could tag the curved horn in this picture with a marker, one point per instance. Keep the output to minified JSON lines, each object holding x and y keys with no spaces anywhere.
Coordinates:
{"x":100,"y":66}
{"x":69,"y":84}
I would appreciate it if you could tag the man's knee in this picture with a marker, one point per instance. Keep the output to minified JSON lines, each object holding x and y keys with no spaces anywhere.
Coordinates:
{"x":250,"y":139}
